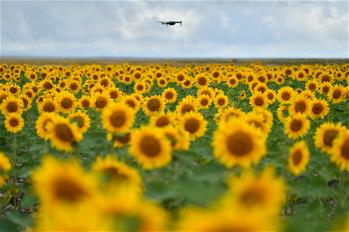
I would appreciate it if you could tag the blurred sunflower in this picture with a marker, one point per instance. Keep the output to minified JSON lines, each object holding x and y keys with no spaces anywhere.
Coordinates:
{"x":340,"y":151}
{"x":153,"y":105}
{"x":319,"y":108}
{"x":170,"y":95}
{"x":193,"y":123}
{"x":118,"y":117}
{"x":298,"y":158}
{"x":149,"y":148}
{"x":325,"y":134}
{"x":241,"y":145}
{"x":66,"y":102}
{"x":296,"y":126}
{"x":14,"y":122}
{"x":81,"y":119}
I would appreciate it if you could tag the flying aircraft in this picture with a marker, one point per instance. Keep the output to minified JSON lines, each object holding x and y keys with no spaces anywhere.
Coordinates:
{"x":170,"y":23}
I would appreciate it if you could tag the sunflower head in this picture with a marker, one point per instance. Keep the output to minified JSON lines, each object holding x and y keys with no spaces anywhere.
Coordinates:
{"x":298,"y":158}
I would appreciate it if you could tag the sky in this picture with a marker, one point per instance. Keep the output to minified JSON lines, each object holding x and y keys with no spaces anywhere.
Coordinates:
{"x":211,"y":29}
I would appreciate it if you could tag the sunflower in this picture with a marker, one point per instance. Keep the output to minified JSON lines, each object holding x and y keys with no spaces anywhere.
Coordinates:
{"x":296,"y":126}
{"x":162,"y":120}
{"x":202,"y":80}
{"x":340,"y":151}
{"x":285,"y":94}
{"x":73,"y":86}
{"x":326,"y":134}
{"x":63,"y":134}
{"x":204,"y":101}
{"x":241,"y":145}
{"x":325,"y":88}
{"x":170,"y":95}
{"x":14,"y":123}
{"x":120,"y":139}
{"x":118,"y":117}
{"x":100,"y":101}
{"x":115,"y":93}
{"x":221,"y":101}
{"x":298,"y":158}
{"x":132,"y":102}
{"x":187,"y":105}
{"x":232,"y":81}
{"x":259,"y":100}
{"x":257,"y":120}
{"x":271,"y":96}
{"x":81,"y":119}
{"x":224,"y":219}
{"x":140,"y":87}
{"x":12,"y":105}
{"x":115,"y":173}
{"x":66,"y":102}
{"x":48,"y":105}
{"x":249,"y":192}
{"x":319,"y":109}
{"x":5,"y":164}
{"x":179,"y":139}
{"x":58,"y":182}
{"x":193,"y":123}
{"x":312,"y":85}
{"x":150,"y":148}
{"x":85,"y":102}
{"x":153,"y":105}
{"x":337,"y":94}
{"x":299,"y":105}
{"x":41,"y":125}
{"x":231,"y":112}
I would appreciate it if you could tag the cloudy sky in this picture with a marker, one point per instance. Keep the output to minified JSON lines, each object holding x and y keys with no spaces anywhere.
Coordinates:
{"x":210,"y":28}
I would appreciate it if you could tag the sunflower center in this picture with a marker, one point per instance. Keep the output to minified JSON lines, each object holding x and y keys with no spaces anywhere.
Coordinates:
{"x":131,"y":104}
{"x":312,"y":87}
{"x":221,"y":101}
{"x":69,"y":190}
{"x":325,"y":89}
{"x":169,"y":95}
{"x":85,"y":103}
{"x":150,"y":146}
{"x":14,"y":122}
{"x":345,"y":149}
{"x":12,"y":107}
{"x":296,"y":125}
{"x":63,"y":133}
{"x":329,"y":136}
{"x":101,"y":102}
{"x":259,"y":101}
{"x":49,"y":107}
{"x":337,"y":94}
{"x":204,"y":102}
{"x":153,"y":104}
{"x":187,"y":108}
{"x":286,"y":96}
{"x":239,"y":143}
{"x":202,"y":81}
{"x":252,"y":197}
{"x":297,"y":157}
{"x":317,"y":108}
{"x":123,"y":138}
{"x":113,"y":94}
{"x":162,"y":121}
{"x":115,"y":173}
{"x":118,"y":118}
{"x":73,"y":86}
{"x":300,"y":107}
{"x":67,"y":103}
{"x":192,"y":125}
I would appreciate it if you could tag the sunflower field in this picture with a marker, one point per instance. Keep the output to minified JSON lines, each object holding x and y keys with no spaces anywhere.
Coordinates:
{"x":159,"y":147}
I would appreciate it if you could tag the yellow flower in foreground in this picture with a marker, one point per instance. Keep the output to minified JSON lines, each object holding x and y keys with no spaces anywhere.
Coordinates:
{"x":298,"y":158}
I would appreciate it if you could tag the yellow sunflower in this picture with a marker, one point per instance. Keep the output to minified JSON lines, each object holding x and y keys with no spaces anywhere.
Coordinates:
{"x":12,"y":105}
{"x":340,"y":151}
{"x":100,"y":101}
{"x":116,"y":174}
{"x":5,"y":164}
{"x":66,"y":102}
{"x":58,"y":182}
{"x":85,"y":102}
{"x":264,"y":192}
{"x":204,"y":101}
{"x":337,"y":94}
{"x":221,"y":101}
{"x":150,"y":148}
{"x":48,"y":105}
{"x":118,"y":117}
{"x":170,"y":95}
{"x":14,"y":122}
{"x":296,"y":126}
{"x":163,"y":120}
{"x":41,"y":125}
{"x":285,"y":94}
{"x":242,"y":144}
{"x":298,"y":158}
{"x":259,"y":100}
{"x":63,"y":134}
{"x":188,"y":104}
{"x":81,"y":119}
{"x":319,"y":109}
{"x":299,"y":105}
{"x":326,"y":134}
{"x":193,"y":123}
{"x":153,"y":105}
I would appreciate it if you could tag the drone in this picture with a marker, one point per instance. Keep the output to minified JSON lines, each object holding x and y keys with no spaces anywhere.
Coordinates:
{"x":170,"y":23}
